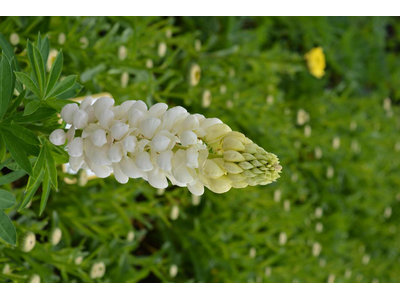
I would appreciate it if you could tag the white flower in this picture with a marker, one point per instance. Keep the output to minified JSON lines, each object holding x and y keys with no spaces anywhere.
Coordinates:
{"x":58,"y":137}
{"x":302,"y":117}
{"x":84,"y":42}
{"x":35,"y":278}
{"x":319,"y":212}
{"x":50,"y":60}
{"x":149,"y":63}
{"x":122,"y":52}
{"x":162,"y":49}
{"x":173,"y":271}
{"x":174,"y":212}
{"x":336,"y":143}
{"x":62,"y":38}
{"x":27,"y":241}
{"x":98,"y":270}
{"x":252,"y":252}
{"x":56,"y":236}
{"x":160,"y":145}
{"x":282,"y":238}
{"x":194,"y":75}
{"x":124,"y":79}
{"x":75,"y":147}
{"x":206,"y":99}
{"x":130,"y":236}
{"x":67,"y":112}
{"x":78,"y":260}
{"x":14,"y":38}
{"x":197,"y":45}
{"x":316,"y":249}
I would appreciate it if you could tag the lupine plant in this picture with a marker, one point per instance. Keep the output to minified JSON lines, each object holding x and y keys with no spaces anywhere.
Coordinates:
{"x":321,"y":93}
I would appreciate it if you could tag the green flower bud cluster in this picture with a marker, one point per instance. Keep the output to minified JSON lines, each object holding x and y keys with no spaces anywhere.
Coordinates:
{"x":239,"y":163}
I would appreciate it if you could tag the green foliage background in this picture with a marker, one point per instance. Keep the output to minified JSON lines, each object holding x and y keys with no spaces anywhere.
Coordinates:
{"x":232,"y":237}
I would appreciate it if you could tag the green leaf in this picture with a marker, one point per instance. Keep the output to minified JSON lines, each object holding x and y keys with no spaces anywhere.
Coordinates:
{"x":5,"y":85}
{"x":6,"y":46}
{"x":16,"y":102}
{"x":20,"y":132}
{"x":39,"y":67}
{"x":11,"y":177}
{"x":17,"y":152}
{"x":55,"y":72}
{"x":45,"y":50}
{"x":71,"y":93}
{"x":12,"y":165}
{"x":45,"y":192}
{"x":63,"y":86}
{"x":7,"y":229}
{"x":51,"y":166}
{"x":29,"y":194}
{"x":41,"y":114}
{"x":28,"y":82}
{"x":31,"y":107}
{"x":2,"y":149}
{"x":7,"y":199}
{"x":38,"y":167}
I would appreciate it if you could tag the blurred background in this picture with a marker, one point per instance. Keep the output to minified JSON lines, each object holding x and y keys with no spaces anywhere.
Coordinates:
{"x":322,"y":93}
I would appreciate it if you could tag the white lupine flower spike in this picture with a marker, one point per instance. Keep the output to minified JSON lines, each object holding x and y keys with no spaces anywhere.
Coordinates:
{"x":160,"y":144}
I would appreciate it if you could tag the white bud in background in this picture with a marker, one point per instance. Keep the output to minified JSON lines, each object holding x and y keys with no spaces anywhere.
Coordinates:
{"x":222,"y":89}
{"x":197,"y":45}
{"x":122,"y":53}
{"x":316,"y":249}
{"x":319,"y":212}
{"x":196,"y":200}
{"x":173,"y":271}
{"x":124,"y":79}
{"x":331,"y":278}
{"x":56,"y":236}
{"x":174,"y":215}
{"x":162,"y":49}
{"x":35,"y":278}
{"x":62,"y":38}
{"x":98,"y":270}
{"x":252,"y":252}
{"x":78,"y":260}
{"x":277,"y":195}
{"x":14,"y":38}
{"x":282,"y":238}
{"x":206,"y":99}
{"x":330,"y":172}
{"x":194,"y":75}
{"x":336,"y":143}
{"x":58,"y":137}
{"x":6,"y":269}
{"x":149,"y":63}
{"x":130,"y":236}
{"x":27,"y":241}
{"x":318,"y":153}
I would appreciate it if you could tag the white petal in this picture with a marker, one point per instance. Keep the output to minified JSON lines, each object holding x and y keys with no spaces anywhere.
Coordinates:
{"x":170,"y":116}
{"x":99,"y":137}
{"x":70,"y":134}
{"x":182,"y":174}
{"x":68,"y":111}
{"x":80,"y":119}
{"x":164,"y":160}
{"x":157,"y":179}
{"x":136,"y":116}
{"x":190,"y":123}
{"x":106,"y":118}
{"x":86,"y":103}
{"x":142,"y":144}
{"x":100,"y":171}
{"x":188,"y":138}
{"x":209,"y":122}
{"x":140,"y":105}
{"x":129,"y":143}
{"x":178,"y":159}
{"x":119,"y":175}
{"x":118,"y":130}
{"x":122,"y":111}
{"x":115,"y":153}
{"x":129,"y":168}
{"x":157,"y":110}
{"x":75,"y":147}
{"x":75,"y":162}
{"x":143,"y":162}
{"x":89,"y":130}
{"x":58,"y":137}
{"x":102,"y":104}
{"x":160,"y":143}
{"x":88,"y":146}
{"x":99,"y":157}
{"x":149,"y":126}
{"x":197,"y":188}
{"x":192,"y":156}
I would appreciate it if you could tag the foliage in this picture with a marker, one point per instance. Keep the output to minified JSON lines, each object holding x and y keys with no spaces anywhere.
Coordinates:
{"x":332,"y":214}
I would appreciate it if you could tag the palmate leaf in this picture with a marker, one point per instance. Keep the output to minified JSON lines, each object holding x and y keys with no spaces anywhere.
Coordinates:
{"x":39,"y":67}
{"x":7,"y":199}
{"x":35,"y":185}
{"x":7,"y":229}
{"x":45,"y":192}
{"x":38,"y":167}
{"x":16,"y":102}
{"x":51,"y":166}
{"x":40,"y":114}
{"x":5,"y":85}
{"x":11,"y":177}
{"x":17,"y":151}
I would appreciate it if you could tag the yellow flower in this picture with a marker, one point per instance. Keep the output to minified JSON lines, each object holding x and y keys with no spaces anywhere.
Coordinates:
{"x":316,"y":62}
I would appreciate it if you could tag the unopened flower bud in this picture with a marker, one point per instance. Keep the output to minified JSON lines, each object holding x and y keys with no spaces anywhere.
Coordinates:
{"x":80,"y":119}
{"x":67,"y":112}
{"x":58,"y":137}
{"x":75,"y":147}
{"x":27,"y":241}
{"x":56,"y":236}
